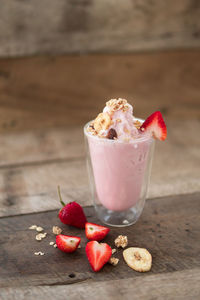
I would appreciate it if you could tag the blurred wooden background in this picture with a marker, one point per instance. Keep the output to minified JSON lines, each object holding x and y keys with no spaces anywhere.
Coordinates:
{"x":81,"y":26}
{"x":46,"y":99}
{"x":59,"y":62}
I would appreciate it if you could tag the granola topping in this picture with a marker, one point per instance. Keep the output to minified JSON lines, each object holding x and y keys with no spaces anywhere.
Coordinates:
{"x":39,"y":253}
{"x":39,"y":229}
{"x":32,"y":227}
{"x":113,"y":261}
{"x":137,"y":124}
{"x":56,"y":230}
{"x":102,"y":122}
{"x":114,"y":251}
{"x":40,"y":236}
{"x":117,"y":104}
{"x":121,"y":241}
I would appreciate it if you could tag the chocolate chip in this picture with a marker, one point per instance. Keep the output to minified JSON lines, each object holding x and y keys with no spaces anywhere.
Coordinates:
{"x":112,"y":134}
{"x":91,"y":126}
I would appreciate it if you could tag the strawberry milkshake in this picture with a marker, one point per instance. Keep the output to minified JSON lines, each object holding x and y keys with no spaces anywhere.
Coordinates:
{"x":120,"y":149}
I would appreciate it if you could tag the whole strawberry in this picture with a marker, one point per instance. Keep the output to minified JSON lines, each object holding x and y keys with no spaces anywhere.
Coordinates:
{"x":72,"y":213}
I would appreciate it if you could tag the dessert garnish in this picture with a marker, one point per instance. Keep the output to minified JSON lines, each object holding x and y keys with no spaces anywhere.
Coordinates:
{"x":95,"y":232}
{"x":117,"y":122}
{"x":40,"y":236}
{"x":139,"y":259}
{"x":56,"y":230}
{"x":39,"y":253}
{"x":155,"y":125}
{"x":98,"y":254}
{"x":121,"y":241}
{"x":112,"y":134}
{"x":72,"y":213}
{"x":113,"y":261}
{"x":67,"y":243}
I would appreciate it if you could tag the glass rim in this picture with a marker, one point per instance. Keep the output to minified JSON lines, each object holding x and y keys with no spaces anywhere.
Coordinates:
{"x":140,"y":139}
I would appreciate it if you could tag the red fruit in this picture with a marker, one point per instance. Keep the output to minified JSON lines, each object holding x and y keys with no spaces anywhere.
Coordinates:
{"x":95,"y":232}
{"x":98,"y":254}
{"x":72,"y":214}
{"x":67,"y":243}
{"x":156,"y":126}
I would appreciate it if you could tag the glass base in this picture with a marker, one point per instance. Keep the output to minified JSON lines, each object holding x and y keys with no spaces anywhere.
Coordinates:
{"x":117,"y":218}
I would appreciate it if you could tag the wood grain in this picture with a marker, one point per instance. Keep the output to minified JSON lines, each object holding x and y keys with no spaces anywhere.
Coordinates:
{"x":50,"y":92}
{"x":170,"y":286}
{"x":46,"y":26}
{"x":174,"y":245}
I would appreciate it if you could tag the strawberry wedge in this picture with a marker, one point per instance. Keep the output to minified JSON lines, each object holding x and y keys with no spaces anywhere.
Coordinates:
{"x":98,"y":254}
{"x":67,"y":243}
{"x":95,"y":232}
{"x":155,"y":125}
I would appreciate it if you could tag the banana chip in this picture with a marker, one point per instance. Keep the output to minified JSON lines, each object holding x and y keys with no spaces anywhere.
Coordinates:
{"x":139,"y":259}
{"x":102,"y":122}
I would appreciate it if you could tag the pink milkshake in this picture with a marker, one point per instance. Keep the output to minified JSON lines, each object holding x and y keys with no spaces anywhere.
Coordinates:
{"x":119,"y":152}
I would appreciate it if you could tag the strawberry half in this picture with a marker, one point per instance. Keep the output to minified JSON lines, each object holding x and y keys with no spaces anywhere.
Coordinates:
{"x":156,"y":126}
{"x":67,"y":243}
{"x":95,"y":232}
{"x":98,"y":254}
{"x":72,"y":213}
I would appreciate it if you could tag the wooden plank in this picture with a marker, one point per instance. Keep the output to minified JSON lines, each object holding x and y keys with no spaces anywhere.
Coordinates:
{"x":41,"y":146}
{"x":174,"y":245}
{"x":184,"y":285}
{"x":34,"y":27}
{"x":49,"y":92}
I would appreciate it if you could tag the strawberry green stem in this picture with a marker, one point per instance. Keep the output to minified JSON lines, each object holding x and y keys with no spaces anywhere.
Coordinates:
{"x":59,"y":194}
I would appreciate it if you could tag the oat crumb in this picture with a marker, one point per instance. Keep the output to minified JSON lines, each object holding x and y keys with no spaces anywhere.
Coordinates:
{"x":121,"y":241}
{"x":39,"y":229}
{"x":40,"y":236}
{"x":32,"y":227}
{"x":113,"y":261}
{"x":39,"y":253}
{"x":55,"y":246}
{"x":51,"y":243}
{"x":114,"y":251}
{"x":56,"y":230}
{"x":79,"y":246}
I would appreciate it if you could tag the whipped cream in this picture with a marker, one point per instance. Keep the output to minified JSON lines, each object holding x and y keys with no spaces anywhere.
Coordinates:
{"x":116,"y":121}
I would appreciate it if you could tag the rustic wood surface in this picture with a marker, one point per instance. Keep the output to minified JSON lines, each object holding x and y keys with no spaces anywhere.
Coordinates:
{"x":42,"y":114}
{"x":178,"y":285}
{"x":168,"y":228}
{"x":48,"y":26}
{"x":44,"y":103}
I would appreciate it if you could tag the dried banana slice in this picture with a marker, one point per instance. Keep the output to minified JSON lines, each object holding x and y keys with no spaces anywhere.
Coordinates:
{"x":139,"y":259}
{"x":102,"y":122}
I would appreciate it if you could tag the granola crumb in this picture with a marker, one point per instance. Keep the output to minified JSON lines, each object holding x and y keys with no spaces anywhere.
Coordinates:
{"x":113,"y":261}
{"x":121,"y":241}
{"x":79,"y":246}
{"x":39,"y":229}
{"x":40,"y":236}
{"x":55,"y":246}
{"x":32,"y":227}
{"x":118,"y":120}
{"x":56,"y":230}
{"x":39,"y":253}
{"x":114,"y":251}
{"x":51,"y":243}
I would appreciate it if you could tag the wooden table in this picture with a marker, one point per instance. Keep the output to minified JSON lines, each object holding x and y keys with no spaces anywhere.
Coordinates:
{"x":44,"y":103}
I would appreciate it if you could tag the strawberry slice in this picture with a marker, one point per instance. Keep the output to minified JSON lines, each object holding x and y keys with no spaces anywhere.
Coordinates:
{"x":67,"y":243}
{"x":98,"y":254}
{"x":72,"y":213}
{"x":155,"y":125}
{"x":95,"y":232}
